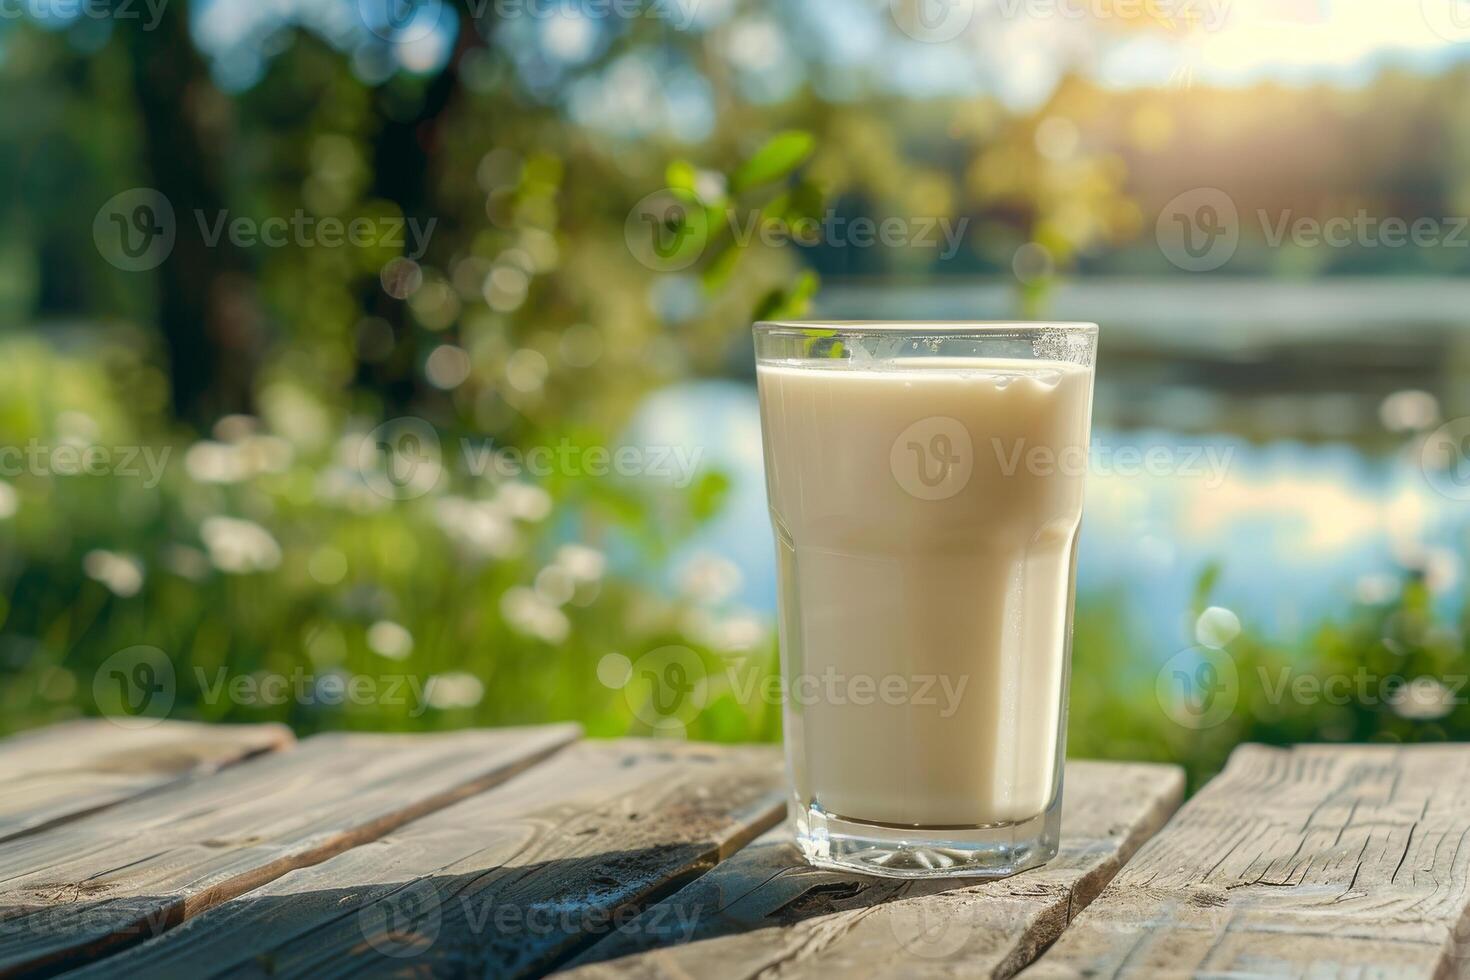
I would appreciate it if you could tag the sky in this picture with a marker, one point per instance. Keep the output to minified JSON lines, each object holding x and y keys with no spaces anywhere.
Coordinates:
{"x":1015,"y":50}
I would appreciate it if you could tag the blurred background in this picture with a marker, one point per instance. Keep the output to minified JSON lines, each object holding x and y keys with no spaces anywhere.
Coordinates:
{"x":386,"y":364}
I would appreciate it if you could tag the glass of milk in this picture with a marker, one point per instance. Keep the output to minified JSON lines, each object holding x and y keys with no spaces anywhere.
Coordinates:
{"x":925,"y":484}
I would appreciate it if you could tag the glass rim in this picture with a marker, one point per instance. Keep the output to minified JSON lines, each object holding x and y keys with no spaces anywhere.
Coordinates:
{"x":925,"y":328}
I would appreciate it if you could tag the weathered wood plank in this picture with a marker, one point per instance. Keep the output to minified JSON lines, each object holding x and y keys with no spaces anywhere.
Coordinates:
{"x":764,"y":913}
{"x":504,"y":884}
{"x":74,"y":892}
{"x":66,"y":771}
{"x":1316,"y":861}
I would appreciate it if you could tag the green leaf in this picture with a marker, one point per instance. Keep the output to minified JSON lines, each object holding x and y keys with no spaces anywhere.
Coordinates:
{"x":708,"y":495}
{"x":782,"y":154}
{"x":720,"y":268}
{"x":794,"y":301}
{"x":680,"y":176}
{"x":1209,"y":577}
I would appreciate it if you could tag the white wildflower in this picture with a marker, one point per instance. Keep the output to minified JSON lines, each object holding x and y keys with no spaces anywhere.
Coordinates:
{"x":122,"y":574}
{"x":709,"y":578}
{"x":556,"y":585}
{"x":1422,"y":699}
{"x":389,"y":639}
{"x":530,"y":614}
{"x":581,"y":562}
{"x":524,"y":501}
{"x":454,"y":690}
{"x":239,"y":546}
{"x":478,"y":524}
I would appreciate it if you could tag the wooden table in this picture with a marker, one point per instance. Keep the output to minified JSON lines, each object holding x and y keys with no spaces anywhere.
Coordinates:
{"x":190,"y":851}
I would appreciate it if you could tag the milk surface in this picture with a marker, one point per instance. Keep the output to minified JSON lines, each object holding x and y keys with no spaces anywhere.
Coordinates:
{"x":926,"y":514}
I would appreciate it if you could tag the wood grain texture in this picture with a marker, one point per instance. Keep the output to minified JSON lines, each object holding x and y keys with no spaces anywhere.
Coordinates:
{"x":66,"y":771}
{"x":74,"y":892}
{"x":1315,"y":861}
{"x":765,"y":913}
{"x":505,"y":884}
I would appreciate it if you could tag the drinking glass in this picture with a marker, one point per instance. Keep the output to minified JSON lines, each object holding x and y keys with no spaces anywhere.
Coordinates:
{"x":925,"y":484}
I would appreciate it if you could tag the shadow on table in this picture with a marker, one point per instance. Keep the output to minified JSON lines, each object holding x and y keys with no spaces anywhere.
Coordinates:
{"x":483,"y":921}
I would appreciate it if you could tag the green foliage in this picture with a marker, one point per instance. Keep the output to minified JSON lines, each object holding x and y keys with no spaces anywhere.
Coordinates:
{"x":773,"y":161}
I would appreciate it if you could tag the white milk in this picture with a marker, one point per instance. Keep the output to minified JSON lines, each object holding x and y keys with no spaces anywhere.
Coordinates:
{"x":904,"y":553}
